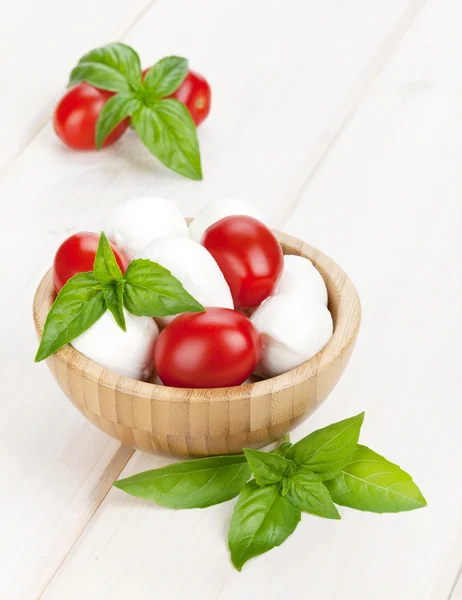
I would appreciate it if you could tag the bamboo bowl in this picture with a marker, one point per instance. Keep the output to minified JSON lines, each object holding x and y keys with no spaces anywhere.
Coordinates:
{"x":205,"y":422}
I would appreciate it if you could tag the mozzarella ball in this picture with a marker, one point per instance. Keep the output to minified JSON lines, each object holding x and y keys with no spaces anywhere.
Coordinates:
{"x":293,"y":328}
{"x":300,"y":275}
{"x":217,"y":210}
{"x":194,"y":267}
{"x":129,"y":353}
{"x":133,"y":224}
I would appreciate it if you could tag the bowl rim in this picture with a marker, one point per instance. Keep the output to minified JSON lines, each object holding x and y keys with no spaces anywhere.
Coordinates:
{"x":339,"y":343}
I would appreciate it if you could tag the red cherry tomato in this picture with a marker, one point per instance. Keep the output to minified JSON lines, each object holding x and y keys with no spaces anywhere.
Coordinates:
{"x":196,"y":94}
{"x":77,"y":255}
{"x":215,"y":348}
{"x":76,"y":116}
{"x":248,"y":255}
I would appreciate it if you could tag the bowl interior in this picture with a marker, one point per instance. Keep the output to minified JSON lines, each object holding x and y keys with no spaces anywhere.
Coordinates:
{"x":343,"y":304}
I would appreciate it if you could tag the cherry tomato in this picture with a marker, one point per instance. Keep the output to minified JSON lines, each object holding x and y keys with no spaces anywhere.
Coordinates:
{"x":196,"y":94}
{"x":77,"y":255}
{"x":76,"y":116}
{"x":215,"y":348}
{"x":248,"y":255}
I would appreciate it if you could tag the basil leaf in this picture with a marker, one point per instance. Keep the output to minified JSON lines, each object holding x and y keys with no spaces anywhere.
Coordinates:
{"x":115,"y":110}
{"x":326,"y":451}
{"x":105,"y":266}
{"x":165,"y":76}
{"x":115,"y":67}
{"x":78,"y":305}
{"x":311,"y":495}
{"x":262,"y":519}
{"x":285,"y":487}
{"x":152,"y":291}
{"x":114,"y":297}
{"x":267,"y":468}
{"x":193,"y":484}
{"x":372,"y":483}
{"x":282,"y":449}
{"x":168,"y":131}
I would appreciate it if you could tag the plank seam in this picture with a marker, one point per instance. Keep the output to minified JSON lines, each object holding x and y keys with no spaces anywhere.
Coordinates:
{"x":456,"y":581}
{"x":112,"y":471}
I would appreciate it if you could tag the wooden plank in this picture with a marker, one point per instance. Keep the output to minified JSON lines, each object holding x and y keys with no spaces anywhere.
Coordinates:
{"x":281,"y":89}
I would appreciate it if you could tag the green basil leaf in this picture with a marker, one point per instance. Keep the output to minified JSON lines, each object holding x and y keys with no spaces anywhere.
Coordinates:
{"x":166,"y":76}
{"x":327,"y":450}
{"x":192,"y":484}
{"x":152,"y":291}
{"x":114,"y":297}
{"x":115,"y":110}
{"x":286,"y":482}
{"x":115,"y":67}
{"x":311,"y":495}
{"x":266,"y":467}
{"x":372,"y":483}
{"x":262,"y":519}
{"x":78,"y":305}
{"x":168,"y":131}
{"x":282,"y":449}
{"x":105,"y":266}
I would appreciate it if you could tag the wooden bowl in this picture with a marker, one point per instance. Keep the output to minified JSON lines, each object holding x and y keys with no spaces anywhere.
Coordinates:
{"x":204,"y":422}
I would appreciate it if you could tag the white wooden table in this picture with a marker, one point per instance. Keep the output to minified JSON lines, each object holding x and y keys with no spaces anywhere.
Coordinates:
{"x":342,"y":120}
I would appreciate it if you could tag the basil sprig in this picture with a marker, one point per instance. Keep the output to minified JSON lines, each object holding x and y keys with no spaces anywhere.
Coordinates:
{"x":146,"y":290}
{"x":164,"y":125}
{"x":325,"y":468}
